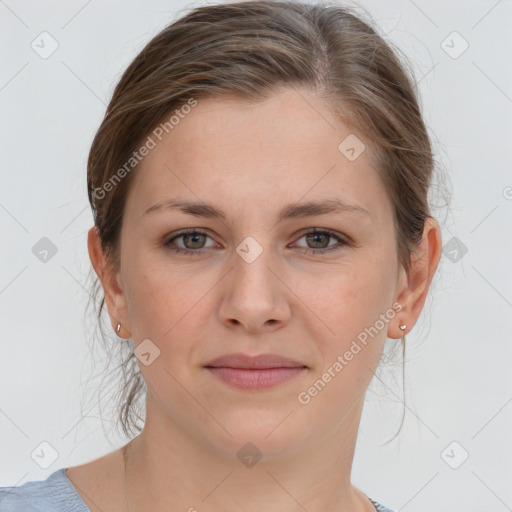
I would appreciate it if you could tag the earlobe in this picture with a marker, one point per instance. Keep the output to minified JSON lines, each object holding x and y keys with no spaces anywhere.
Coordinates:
{"x":424,"y":262}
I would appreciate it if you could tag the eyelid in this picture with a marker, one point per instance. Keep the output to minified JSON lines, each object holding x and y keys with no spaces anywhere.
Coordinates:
{"x":188,"y":231}
{"x":342,"y":240}
{"x":326,"y":231}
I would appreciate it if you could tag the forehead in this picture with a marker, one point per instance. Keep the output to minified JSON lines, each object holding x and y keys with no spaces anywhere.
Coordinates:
{"x":284,"y":148}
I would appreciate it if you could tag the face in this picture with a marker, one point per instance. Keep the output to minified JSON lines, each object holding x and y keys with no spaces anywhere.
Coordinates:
{"x":256,"y":281}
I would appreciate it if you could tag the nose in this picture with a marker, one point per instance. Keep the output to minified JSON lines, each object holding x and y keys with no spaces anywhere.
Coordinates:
{"x":255,"y":296}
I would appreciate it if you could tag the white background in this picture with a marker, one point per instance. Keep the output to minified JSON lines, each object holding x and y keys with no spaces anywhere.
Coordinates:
{"x":458,"y":383}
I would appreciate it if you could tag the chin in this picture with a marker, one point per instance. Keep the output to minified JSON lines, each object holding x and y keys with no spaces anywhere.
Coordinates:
{"x":261,"y":431}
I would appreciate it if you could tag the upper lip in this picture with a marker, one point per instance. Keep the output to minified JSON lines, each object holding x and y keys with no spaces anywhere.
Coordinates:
{"x":260,"y":361}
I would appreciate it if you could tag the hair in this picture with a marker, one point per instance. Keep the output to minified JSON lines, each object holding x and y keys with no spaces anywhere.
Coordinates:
{"x":248,"y":50}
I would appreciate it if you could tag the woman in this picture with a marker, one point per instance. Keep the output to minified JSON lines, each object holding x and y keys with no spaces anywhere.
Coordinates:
{"x":259,"y":188}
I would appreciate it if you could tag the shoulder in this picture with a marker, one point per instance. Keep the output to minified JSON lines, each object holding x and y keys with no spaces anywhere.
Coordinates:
{"x":379,"y":507}
{"x":55,"y":494}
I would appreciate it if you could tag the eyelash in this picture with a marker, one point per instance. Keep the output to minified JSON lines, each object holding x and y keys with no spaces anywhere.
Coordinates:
{"x":341,"y":242}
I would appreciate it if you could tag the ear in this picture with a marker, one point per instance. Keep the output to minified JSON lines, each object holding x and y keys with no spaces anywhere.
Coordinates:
{"x":114,"y":295}
{"x":416,"y":282}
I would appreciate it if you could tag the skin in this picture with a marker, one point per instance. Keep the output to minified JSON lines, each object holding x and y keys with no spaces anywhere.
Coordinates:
{"x":251,"y":160}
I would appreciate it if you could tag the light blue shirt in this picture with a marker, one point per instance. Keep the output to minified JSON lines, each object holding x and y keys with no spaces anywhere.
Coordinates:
{"x":57,"y":494}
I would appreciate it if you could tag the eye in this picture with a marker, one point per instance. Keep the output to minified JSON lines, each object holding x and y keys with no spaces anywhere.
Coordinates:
{"x":194,"y":241}
{"x":193,"y":238}
{"x":320,"y":240}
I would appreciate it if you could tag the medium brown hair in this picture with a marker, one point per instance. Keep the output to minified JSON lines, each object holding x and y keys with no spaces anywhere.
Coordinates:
{"x":248,"y":50}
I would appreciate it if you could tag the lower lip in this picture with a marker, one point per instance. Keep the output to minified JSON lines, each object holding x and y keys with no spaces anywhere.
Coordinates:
{"x":255,"y":379}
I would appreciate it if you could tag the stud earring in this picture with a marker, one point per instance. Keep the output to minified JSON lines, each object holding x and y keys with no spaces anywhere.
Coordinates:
{"x":403,"y":327}
{"x":118,"y":328}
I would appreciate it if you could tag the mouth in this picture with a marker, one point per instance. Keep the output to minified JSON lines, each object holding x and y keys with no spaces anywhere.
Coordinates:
{"x":255,"y":372}
{"x":255,"y":379}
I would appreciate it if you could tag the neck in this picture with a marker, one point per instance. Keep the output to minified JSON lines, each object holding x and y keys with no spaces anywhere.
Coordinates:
{"x":168,"y":469}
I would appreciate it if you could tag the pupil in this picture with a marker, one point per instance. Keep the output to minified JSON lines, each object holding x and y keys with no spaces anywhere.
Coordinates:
{"x":315,"y":237}
{"x":194,"y":236}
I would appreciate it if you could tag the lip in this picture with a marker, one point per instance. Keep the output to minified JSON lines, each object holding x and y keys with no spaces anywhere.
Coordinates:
{"x":258,"y":362}
{"x":255,"y":379}
{"x":255,"y":372}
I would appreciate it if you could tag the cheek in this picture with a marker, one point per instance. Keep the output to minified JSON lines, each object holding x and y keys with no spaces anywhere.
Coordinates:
{"x":348,"y":306}
{"x":160,"y":310}
{"x":171,"y":307}
{"x":157,"y":302}
{"x":348,"y":298}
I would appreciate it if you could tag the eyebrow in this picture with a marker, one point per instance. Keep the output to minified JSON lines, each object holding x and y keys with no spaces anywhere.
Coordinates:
{"x":293,"y":210}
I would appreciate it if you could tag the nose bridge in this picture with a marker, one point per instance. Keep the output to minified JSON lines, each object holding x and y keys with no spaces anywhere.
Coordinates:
{"x":255,"y":295}
{"x":252,"y":261}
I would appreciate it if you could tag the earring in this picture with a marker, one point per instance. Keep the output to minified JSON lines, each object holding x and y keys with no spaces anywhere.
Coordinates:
{"x":402,"y":327}
{"x":118,"y":328}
